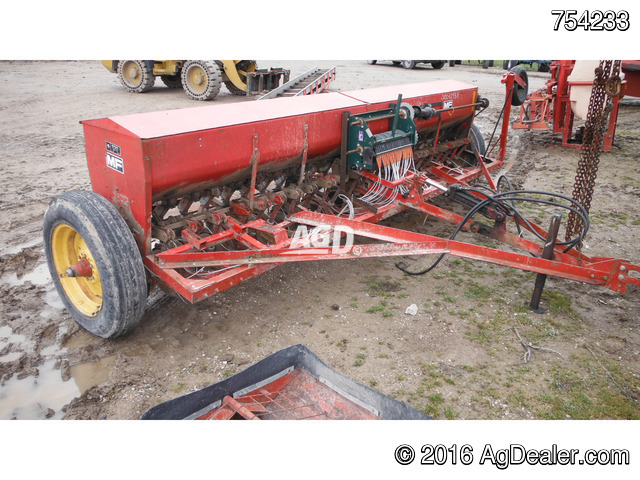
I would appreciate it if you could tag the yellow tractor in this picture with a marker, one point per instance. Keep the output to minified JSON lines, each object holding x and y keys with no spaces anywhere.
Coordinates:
{"x":200,"y":79}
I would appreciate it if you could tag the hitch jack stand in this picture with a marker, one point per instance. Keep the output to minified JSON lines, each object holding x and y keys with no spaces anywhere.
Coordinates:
{"x":547,"y":254}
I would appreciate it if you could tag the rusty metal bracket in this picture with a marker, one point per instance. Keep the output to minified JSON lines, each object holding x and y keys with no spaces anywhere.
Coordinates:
{"x":255,"y":159}
{"x":305,"y":149}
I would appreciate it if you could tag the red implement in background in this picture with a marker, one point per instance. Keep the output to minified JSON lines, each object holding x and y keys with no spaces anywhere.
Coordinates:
{"x":550,"y":108}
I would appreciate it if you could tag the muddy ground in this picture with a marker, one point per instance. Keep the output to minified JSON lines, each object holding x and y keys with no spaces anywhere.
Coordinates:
{"x":459,"y":357}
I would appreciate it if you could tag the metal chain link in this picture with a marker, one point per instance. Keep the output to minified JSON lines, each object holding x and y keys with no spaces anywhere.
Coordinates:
{"x":605,"y":85}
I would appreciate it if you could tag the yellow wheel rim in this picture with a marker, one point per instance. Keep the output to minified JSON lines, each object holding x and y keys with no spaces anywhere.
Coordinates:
{"x":68,"y":248}
{"x":197,"y":79}
{"x":132,"y":74}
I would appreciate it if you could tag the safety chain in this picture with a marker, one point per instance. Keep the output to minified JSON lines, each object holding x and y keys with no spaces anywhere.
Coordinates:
{"x":606,"y":85}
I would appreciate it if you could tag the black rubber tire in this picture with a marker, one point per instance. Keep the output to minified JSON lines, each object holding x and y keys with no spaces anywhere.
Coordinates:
{"x":544,"y":67}
{"x":477,"y":140}
{"x":146,"y":78}
{"x":116,"y":256}
{"x":437,"y":65}
{"x":213,"y":79}
{"x":172,"y":81}
{"x":233,"y":89}
{"x":520,"y":93}
{"x":372,"y":62}
{"x":408,"y":64}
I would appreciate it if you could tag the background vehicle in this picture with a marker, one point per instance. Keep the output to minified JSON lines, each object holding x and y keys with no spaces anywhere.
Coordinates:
{"x":409,"y":64}
{"x":200,"y":79}
{"x":543,"y":65}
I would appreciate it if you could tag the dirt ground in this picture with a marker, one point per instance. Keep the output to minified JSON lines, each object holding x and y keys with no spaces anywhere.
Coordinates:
{"x":458,"y":357}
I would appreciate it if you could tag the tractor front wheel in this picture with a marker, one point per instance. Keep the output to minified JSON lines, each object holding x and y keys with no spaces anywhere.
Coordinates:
{"x":95,"y":263}
{"x":201,"y":79}
{"x":136,"y":75}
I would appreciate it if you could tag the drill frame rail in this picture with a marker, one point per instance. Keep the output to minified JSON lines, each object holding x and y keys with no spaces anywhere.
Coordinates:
{"x":259,"y":257}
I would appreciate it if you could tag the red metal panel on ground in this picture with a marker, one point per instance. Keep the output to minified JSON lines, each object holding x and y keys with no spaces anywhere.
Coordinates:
{"x":296,"y":396}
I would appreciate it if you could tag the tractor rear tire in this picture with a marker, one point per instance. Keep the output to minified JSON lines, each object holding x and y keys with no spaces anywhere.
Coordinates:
{"x":109,"y":300}
{"x":437,"y":65}
{"x":520,"y":93}
{"x":136,"y":75}
{"x":201,"y":79}
{"x":172,"y":81}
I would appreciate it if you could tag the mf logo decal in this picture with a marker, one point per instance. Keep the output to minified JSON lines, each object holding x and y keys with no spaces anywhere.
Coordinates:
{"x":114,"y":160}
{"x":115,"y":163}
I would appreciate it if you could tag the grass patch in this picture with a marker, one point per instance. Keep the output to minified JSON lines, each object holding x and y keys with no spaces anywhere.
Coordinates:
{"x":178,"y":387}
{"x":477,"y":292}
{"x":386,"y":287}
{"x":560,"y":303}
{"x":586,"y":392}
{"x":378,"y":308}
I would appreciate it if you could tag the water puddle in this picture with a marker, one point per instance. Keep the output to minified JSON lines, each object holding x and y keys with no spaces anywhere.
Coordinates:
{"x":15,"y":249}
{"x":10,"y":357}
{"x":89,"y":374}
{"x":34,"y":397}
{"x":38,"y":276}
{"x":19,"y":342}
